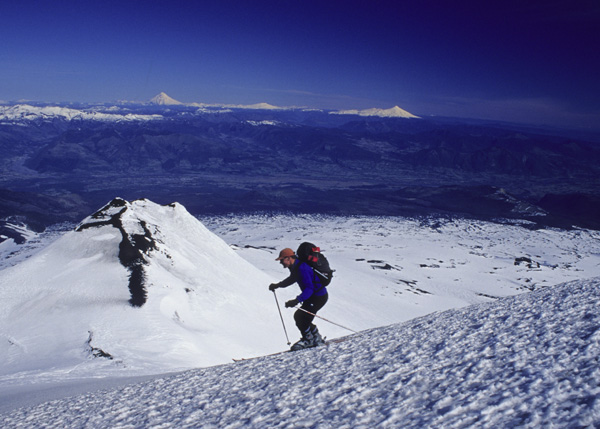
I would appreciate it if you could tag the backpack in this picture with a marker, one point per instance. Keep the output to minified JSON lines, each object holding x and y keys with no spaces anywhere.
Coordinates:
{"x":311,"y":255}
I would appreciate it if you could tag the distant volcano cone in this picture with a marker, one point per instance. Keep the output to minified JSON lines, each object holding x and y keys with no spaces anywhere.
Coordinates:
{"x":394,"y":112}
{"x":163,"y":99}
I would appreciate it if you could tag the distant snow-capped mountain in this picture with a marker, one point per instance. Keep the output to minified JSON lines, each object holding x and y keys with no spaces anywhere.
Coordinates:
{"x":26,"y":112}
{"x":257,"y":106}
{"x":163,"y":99}
{"x":394,"y":112}
{"x":122,"y":110}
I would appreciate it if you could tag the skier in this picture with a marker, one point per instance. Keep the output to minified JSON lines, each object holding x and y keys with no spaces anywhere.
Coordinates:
{"x":313,"y":297}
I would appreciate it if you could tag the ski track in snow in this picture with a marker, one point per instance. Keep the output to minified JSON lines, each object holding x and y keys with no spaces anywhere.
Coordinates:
{"x":525,"y":361}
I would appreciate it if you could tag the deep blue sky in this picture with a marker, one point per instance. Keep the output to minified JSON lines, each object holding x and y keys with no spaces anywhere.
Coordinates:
{"x":530,"y":61}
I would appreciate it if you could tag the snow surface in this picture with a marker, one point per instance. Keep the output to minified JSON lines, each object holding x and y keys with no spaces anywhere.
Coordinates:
{"x":526,"y":360}
{"x":25,"y":112}
{"x":63,"y":305}
{"x":266,"y":122}
{"x":12,"y":253}
{"x":394,"y":112}
{"x":257,"y":106}
{"x":18,"y":113}
{"x":163,"y":99}
{"x":392,"y":269}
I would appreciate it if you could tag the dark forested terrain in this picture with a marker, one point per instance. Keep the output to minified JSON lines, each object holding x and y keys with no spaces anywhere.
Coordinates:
{"x":54,"y":169}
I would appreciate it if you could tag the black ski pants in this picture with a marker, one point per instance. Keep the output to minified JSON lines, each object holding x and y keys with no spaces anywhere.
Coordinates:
{"x":312,"y":304}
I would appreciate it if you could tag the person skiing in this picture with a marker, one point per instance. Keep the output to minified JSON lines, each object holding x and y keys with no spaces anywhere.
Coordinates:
{"x":313,"y":297}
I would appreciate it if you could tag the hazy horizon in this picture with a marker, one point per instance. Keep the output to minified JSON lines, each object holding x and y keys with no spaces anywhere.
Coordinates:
{"x":531,"y":63}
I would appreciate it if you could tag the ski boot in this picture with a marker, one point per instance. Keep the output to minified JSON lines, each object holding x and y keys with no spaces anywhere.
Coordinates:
{"x":305,"y":342}
{"x":317,"y":338}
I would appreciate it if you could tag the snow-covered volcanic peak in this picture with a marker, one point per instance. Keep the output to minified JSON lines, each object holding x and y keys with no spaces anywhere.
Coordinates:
{"x":394,"y":112}
{"x":136,"y":244}
{"x":163,"y":99}
{"x":25,"y":112}
{"x":256,"y":106}
{"x":122,"y":111}
{"x":138,"y":286}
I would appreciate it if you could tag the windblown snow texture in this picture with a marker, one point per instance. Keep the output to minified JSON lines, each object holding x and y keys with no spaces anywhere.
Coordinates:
{"x":533,"y":363}
{"x":525,"y":361}
{"x":132,"y":248}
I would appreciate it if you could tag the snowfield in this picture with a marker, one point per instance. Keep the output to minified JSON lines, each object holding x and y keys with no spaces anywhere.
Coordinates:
{"x":70,"y":301}
{"x":462,"y":324}
{"x":523,"y":361}
{"x":24,"y":112}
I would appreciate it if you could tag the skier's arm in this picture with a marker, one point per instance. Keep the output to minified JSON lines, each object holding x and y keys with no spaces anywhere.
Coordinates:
{"x":287,"y":282}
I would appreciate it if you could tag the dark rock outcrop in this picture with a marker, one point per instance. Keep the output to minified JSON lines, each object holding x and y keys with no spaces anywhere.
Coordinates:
{"x":132,"y":249}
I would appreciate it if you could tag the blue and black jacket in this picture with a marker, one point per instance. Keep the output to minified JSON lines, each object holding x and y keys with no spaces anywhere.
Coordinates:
{"x":310,"y":284}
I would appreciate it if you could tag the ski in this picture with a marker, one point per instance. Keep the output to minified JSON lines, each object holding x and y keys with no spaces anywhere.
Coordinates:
{"x":271,"y":354}
{"x":326,"y":343}
{"x":256,"y":357}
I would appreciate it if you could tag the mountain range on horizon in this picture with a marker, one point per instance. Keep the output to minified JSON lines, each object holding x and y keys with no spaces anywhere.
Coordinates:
{"x":61,"y":161}
{"x":162,"y":99}
{"x":95,"y":111}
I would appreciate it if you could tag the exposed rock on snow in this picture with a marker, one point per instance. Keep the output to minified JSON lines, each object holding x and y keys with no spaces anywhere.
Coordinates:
{"x":133,"y":247}
{"x":527,"y":262}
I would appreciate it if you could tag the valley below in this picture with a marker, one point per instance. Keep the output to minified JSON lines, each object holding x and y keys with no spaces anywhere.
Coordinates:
{"x":248,"y":161}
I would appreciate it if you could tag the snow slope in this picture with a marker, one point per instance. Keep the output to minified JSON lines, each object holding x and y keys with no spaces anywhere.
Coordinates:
{"x":66,"y":309}
{"x":525,"y":361}
{"x":66,"y":325}
{"x":392,"y":269}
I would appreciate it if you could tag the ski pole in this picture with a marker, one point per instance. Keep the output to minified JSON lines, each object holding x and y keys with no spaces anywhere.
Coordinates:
{"x":281,"y":316}
{"x":316,"y":315}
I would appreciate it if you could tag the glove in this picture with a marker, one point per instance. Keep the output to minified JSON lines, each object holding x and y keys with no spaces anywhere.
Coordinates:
{"x":273,"y":286}
{"x":291,"y":303}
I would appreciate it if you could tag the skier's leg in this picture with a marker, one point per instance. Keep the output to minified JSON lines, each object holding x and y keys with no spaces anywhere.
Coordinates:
{"x":303,"y":319}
